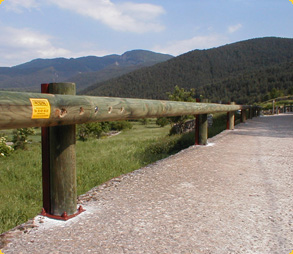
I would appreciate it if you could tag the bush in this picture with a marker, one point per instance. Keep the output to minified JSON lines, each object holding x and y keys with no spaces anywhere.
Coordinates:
{"x":144,"y":121}
{"x":120,"y":125}
{"x":87,"y":130}
{"x":5,"y":149}
{"x":171,"y":144}
{"x":20,"y":137}
{"x":162,"y":121}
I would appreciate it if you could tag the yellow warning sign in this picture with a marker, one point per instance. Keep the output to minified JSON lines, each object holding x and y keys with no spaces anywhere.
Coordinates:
{"x":41,"y":108}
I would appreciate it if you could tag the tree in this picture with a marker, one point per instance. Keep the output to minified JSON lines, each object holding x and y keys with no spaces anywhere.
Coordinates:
{"x":275,"y":93}
{"x":180,"y":94}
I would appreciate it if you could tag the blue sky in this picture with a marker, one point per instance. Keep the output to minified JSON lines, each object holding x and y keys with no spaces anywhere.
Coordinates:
{"x":32,"y":29}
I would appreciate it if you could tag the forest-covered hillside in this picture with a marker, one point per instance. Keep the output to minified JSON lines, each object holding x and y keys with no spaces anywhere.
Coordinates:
{"x":83,"y":71}
{"x":244,"y":72}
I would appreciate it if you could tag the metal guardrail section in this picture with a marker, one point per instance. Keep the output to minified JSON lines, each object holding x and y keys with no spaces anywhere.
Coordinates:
{"x":20,"y":110}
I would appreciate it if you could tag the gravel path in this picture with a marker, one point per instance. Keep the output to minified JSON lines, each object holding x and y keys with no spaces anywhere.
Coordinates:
{"x":232,"y":196}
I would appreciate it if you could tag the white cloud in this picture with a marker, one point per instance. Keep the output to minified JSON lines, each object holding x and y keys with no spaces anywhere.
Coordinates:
{"x":198,"y":42}
{"x":19,"y":5}
{"x":233,"y":29}
{"x":21,"y":45}
{"x":132,"y":17}
{"x":142,"y":11}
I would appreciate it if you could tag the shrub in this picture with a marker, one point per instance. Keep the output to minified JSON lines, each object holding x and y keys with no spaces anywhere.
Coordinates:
{"x":5,"y":149}
{"x":144,"y":121}
{"x":87,"y":130}
{"x":120,"y":125}
{"x":171,"y":144}
{"x":84,"y":131}
{"x":20,"y":137}
{"x":162,"y":121}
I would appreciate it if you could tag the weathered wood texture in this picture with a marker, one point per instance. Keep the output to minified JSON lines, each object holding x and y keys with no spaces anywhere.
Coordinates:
{"x":203,"y":129}
{"x":46,"y":162}
{"x":243,"y":115}
{"x":231,"y":119}
{"x":16,"y":109}
{"x":62,"y":161}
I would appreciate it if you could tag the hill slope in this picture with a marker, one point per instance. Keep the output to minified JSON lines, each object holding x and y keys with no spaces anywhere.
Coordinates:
{"x":84,"y":70}
{"x":209,"y":72}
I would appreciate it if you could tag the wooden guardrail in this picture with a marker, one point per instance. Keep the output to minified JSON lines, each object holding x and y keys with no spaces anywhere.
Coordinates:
{"x":57,"y":109}
{"x":20,"y":110}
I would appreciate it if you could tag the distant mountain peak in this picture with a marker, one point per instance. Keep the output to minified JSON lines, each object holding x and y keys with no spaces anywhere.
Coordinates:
{"x":88,"y":69}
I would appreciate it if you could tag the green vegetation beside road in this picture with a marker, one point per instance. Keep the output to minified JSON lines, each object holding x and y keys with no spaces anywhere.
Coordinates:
{"x":279,"y":101}
{"x":98,"y":160}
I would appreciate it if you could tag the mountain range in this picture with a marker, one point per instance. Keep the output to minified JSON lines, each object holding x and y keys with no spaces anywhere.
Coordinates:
{"x":244,"y":72}
{"x":83,"y":71}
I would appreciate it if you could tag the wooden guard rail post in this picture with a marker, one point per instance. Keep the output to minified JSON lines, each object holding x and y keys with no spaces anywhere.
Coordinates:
{"x":57,"y":110}
{"x":231,"y":119}
{"x":243,"y":115}
{"x":201,"y":128}
{"x":59,"y":162}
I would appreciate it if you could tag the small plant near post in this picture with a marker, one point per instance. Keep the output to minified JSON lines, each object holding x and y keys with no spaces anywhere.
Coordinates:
{"x":5,"y":149}
{"x":20,"y":137}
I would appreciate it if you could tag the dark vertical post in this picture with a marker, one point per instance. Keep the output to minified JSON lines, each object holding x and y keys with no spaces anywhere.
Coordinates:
{"x":197,"y":126}
{"x":62,"y":160}
{"x":196,"y":129}
{"x":46,"y":161}
{"x":250,"y":112}
{"x":273,"y":107}
{"x":202,"y":129}
{"x":258,"y":111}
{"x":231,"y":119}
{"x":243,"y":115}
{"x":254,"y":111}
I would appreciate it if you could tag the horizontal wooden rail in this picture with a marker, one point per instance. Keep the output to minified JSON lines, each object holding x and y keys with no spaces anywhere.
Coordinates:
{"x":20,"y":110}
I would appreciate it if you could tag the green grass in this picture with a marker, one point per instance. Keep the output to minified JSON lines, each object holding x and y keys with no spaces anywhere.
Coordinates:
{"x":280,"y":101}
{"x":21,"y":191}
{"x":98,"y":160}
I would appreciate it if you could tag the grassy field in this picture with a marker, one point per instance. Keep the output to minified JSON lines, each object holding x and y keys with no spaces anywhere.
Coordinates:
{"x":98,"y":160}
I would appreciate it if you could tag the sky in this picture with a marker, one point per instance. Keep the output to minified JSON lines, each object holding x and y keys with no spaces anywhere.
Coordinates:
{"x":31,"y":29}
